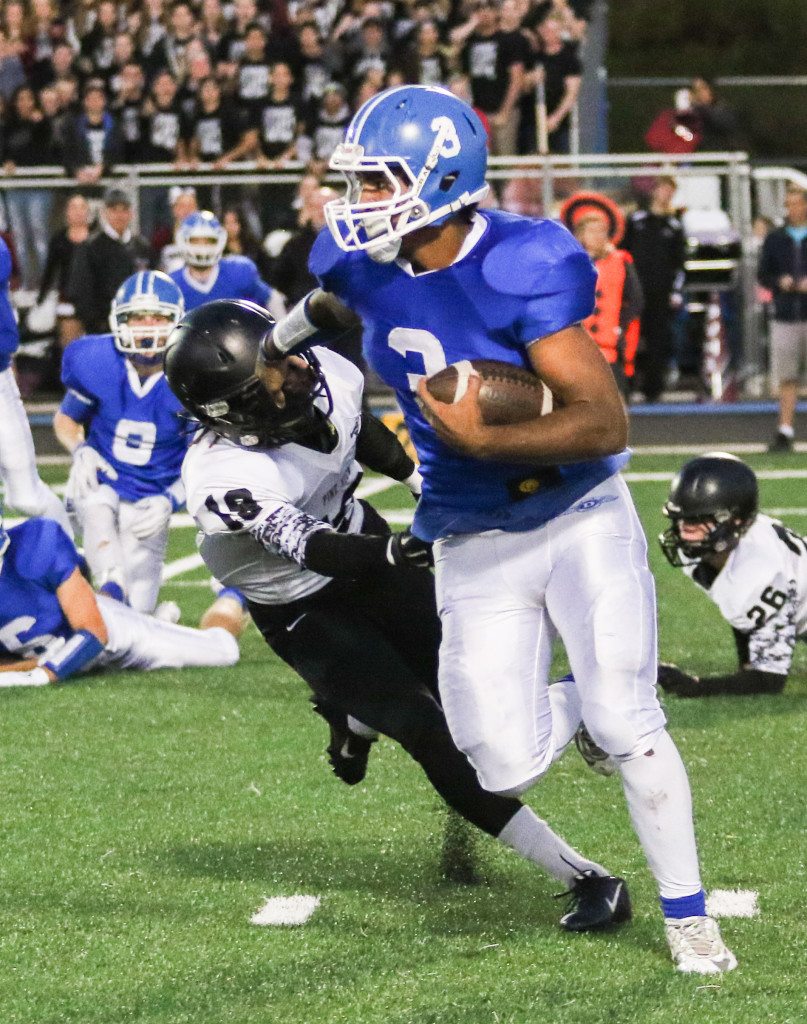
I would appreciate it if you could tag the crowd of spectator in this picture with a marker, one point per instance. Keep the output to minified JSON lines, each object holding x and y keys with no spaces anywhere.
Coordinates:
{"x":90,"y":84}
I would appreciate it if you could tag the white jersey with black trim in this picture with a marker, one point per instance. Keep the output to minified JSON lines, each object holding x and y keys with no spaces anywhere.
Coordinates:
{"x":257,"y":509}
{"x":762,"y":591}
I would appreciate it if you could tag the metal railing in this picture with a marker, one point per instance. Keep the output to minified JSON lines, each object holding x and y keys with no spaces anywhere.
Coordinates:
{"x":744,"y":190}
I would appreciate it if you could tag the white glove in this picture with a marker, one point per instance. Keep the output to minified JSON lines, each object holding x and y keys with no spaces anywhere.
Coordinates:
{"x":87,"y":464}
{"x":151,"y":515}
{"x":33,"y":677}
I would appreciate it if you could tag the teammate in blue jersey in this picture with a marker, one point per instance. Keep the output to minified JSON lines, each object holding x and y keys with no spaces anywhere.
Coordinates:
{"x":52,"y":624}
{"x":535,"y":532}
{"x":128,"y":435}
{"x":21,"y":484}
{"x":208,"y":275}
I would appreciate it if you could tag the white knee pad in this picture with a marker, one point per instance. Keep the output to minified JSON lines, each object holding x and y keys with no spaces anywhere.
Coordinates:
{"x":615,"y":734}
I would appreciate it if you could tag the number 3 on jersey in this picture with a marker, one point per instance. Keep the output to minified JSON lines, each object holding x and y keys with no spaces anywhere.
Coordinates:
{"x":404,"y":340}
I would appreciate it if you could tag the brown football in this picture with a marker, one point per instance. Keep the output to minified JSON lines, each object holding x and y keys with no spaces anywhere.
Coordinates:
{"x":509,"y":394}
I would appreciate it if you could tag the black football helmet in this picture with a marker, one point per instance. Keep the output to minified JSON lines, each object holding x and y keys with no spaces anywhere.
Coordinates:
{"x":717,"y":489}
{"x":211,"y":366}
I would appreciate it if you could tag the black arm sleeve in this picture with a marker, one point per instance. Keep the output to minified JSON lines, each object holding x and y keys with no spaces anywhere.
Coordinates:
{"x":380,"y":450}
{"x":344,"y":554}
{"x":350,"y":554}
{"x":746,"y":681}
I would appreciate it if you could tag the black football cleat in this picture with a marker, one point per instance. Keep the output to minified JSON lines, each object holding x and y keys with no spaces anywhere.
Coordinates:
{"x":596,"y":902}
{"x":347,"y":752}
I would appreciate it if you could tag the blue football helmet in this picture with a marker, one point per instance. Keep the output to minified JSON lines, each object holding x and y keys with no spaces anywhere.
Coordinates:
{"x":201,"y":239}
{"x":147,"y":293}
{"x":432,"y":149}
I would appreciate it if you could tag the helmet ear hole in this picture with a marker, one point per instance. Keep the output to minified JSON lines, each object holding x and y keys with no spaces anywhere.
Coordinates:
{"x":448,"y":180}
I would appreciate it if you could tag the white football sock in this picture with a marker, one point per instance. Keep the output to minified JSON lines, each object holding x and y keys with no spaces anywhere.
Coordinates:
{"x":533,"y":839}
{"x":660,"y":805}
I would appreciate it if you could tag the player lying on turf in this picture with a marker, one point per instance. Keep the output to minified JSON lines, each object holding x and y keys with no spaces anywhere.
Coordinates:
{"x":350,"y":606}
{"x":751,"y":566}
{"x":53,"y":625}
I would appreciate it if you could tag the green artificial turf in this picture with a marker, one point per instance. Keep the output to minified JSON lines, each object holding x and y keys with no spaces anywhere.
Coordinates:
{"x":147,"y":816}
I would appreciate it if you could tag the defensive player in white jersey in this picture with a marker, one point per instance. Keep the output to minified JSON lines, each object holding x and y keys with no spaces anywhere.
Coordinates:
{"x":208,"y":275}
{"x":53,"y":626}
{"x":21,"y":484}
{"x":753,"y":567}
{"x":535,"y":532}
{"x":127,"y":434}
{"x":271,"y":482}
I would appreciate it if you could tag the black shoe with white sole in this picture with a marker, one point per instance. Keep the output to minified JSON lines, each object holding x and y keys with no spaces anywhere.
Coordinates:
{"x":597,"y":901}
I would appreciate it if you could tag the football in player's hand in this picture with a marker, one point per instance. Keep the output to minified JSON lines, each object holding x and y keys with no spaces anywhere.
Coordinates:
{"x":508,"y":394}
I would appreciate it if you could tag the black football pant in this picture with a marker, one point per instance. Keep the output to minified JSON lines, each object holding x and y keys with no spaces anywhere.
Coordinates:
{"x":369,"y":647}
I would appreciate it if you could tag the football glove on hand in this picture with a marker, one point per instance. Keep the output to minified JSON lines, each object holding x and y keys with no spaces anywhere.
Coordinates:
{"x":33,"y":677}
{"x":87,"y":464}
{"x":151,"y":515}
{"x":407,"y":550}
{"x":673,"y":680}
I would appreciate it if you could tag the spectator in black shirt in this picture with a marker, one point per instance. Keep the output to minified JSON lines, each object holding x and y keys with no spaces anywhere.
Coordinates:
{"x":92,"y":138}
{"x":200,"y":68}
{"x":370,"y":52}
{"x":278,"y":123}
{"x":58,"y":266}
{"x":171,"y":51}
{"x":495,"y":67}
{"x":27,"y":141}
{"x":561,"y":69}
{"x":426,"y":61}
{"x":96,"y":55}
{"x":160,"y":137}
{"x":212,"y":131}
{"x":655,"y":239}
{"x":719,"y":129}
{"x":241,"y":241}
{"x":326,"y":127}
{"x":128,"y":108}
{"x":316,"y":65}
{"x":102,"y":264}
{"x":233,"y":43}
{"x":252,"y":77}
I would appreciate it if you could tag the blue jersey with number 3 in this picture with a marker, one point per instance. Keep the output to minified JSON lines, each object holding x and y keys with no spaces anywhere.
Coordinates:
{"x":138,"y":426}
{"x":39,"y":558}
{"x":233,"y":277}
{"x":519,"y":280}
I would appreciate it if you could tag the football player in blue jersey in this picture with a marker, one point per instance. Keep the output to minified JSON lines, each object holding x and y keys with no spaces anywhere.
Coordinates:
{"x":208,"y":275}
{"x":21,"y":484}
{"x":128,"y":435}
{"x":52,"y":624}
{"x":535,"y":534}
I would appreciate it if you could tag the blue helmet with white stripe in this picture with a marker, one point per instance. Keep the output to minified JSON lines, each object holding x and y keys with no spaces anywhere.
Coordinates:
{"x":202,"y":239}
{"x":146,"y":308}
{"x":427,"y":148}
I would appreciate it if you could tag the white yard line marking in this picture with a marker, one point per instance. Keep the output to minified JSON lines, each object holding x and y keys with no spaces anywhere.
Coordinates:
{"x":181,"y":565}
{"x":732,"y":903}
{"x":286,"y":910}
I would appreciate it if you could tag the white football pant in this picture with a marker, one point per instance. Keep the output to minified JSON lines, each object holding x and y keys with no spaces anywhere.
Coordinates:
{"x":111,"y":548}
{"x":139,"y":641}
{"x":23,"y":490}
{"x":504,"y":597}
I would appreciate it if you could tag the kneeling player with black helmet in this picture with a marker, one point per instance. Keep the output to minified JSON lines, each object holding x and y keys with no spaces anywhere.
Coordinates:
{"x":271,"y":481}
{"x":751,"y":566}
